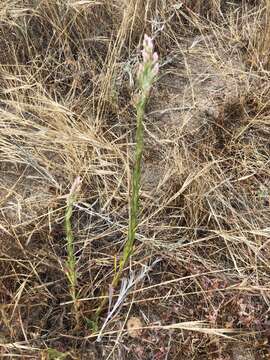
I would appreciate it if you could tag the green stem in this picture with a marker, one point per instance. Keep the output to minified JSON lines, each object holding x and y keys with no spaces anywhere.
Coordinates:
{"x":71,"y":261}
{"x":135,"y":199}
{"x":136,"y":184}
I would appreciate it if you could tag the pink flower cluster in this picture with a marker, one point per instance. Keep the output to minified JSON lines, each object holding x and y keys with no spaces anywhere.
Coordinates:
{"x":75,"y":186}
{"x":149,"y":67}
{"x":148,"y":54}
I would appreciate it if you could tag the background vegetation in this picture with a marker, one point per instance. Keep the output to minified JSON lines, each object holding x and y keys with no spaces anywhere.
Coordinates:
{"x":198,"y":278}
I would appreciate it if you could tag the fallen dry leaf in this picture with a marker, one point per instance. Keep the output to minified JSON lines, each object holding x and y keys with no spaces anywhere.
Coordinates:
{"x":134,"y":326}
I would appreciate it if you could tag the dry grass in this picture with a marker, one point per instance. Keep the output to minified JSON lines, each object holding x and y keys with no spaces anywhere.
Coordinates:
{"x":199,"y":273}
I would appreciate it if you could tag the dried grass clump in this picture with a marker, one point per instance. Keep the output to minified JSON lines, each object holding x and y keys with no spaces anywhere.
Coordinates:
{"x":199,"y":270}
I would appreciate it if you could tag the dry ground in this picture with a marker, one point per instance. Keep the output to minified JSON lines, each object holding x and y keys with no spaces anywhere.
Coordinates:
{"x":200,"y":269}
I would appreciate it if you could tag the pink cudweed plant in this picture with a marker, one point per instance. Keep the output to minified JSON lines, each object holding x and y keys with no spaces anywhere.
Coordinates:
{"x":147,"y":73}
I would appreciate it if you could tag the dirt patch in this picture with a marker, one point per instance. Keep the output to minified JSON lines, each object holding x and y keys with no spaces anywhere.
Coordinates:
{"x":241,"y":352}
{"x":190,"y":97}
{"x":23,"y":196}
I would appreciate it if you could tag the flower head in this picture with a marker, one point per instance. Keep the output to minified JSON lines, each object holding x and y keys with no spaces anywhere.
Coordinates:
{"x":74,"y":189}
{"x":149,"y":67}
{"x":148,"y":43}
